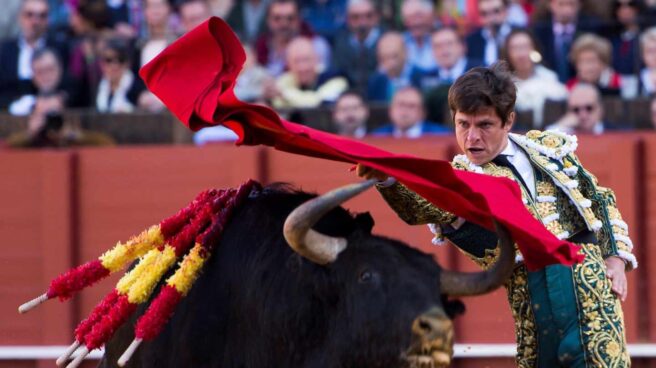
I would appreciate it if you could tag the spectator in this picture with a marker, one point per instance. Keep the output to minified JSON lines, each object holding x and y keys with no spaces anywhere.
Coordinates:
{"x":585,"y":113}
{"x":283,"y":24}
{"x":559,"y":30}
{"x":451,"y":61}
{"x":535,"y":83}
{"x":246,"y":18}
{"x":46,"y":128}
{"x":419,"y":20}
{"x":119,"y":89}
{"x":305,"y":85}
{"x":647,"y":81}
{"x":625,"y":37}
{"x":393,"y":68}
{"x":485,"y":42}
{"x":350,"y":115}
{"x":354,"y":53}
{"x":89,"y":19}
{"x":326,"y":17}
{"x":591,"y":55}
{"x":16,"y":54}
{"x":47,"y":79}
{"x":251,"y":80}
{"x":408,"y":116}
{"x":193,"y":13}
{"x":157,"y":14}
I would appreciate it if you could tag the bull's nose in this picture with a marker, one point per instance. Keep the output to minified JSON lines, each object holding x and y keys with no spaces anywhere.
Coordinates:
{"x":432,"y":323}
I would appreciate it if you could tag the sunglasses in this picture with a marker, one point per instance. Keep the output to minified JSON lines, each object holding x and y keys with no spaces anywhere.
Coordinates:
{"x":35,"y":15}
{"x":579,"y":109}
{"x":494,"y":11}
{"x":110,"y":60}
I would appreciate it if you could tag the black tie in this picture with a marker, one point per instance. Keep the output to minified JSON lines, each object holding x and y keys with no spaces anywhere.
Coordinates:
{"x":502,"y":160}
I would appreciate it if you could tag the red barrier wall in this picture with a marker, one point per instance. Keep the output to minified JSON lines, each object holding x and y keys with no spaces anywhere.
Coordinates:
{"x":62,"y":208}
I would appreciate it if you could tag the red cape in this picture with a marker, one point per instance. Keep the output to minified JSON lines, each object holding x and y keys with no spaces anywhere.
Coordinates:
{"x":195,"y":77}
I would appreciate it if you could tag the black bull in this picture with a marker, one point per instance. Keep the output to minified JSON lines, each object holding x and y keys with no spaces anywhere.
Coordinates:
{"x":380,"y":303}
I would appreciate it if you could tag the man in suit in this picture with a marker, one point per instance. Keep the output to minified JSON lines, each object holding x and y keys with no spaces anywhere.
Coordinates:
{"x":485,"y":42}
{"x":565,"y":316}
{"x":449,"y":52}
{"x":350,"y":115}
{"x":16,"y":54}
{"x":557,"y":32}
{"x":394,"y":70}
{"x":354,"y":53}
{"x":408,"y":116}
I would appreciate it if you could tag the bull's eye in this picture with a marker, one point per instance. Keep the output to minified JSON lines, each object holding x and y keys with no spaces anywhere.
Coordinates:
{"x":366,"y":276}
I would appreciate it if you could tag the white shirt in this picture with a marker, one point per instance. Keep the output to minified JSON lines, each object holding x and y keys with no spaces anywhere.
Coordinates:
{"x":25,"y":52}
{"x":494,"y":43}
{"x":455,"y":72}
{"x":412,"y":132}
{"x":522,"y":164}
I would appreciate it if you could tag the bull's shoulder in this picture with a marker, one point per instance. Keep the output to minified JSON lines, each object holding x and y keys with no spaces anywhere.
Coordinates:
{"x":553,"y":144}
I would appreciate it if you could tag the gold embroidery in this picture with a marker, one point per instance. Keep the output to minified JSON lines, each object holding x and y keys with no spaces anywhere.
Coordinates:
{"x":600,"y":312}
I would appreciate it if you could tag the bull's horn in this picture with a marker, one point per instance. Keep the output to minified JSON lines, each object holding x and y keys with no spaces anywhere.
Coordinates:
{"x":476,"y":283}
{"x":316,"y":247}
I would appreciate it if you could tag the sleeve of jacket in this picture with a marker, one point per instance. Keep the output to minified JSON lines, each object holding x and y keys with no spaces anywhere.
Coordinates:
{"x":614,"y":233}
{"x":412,"y":208}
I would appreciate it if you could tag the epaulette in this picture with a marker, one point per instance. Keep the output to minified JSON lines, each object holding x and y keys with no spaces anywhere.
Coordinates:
{"x":552,"y":144}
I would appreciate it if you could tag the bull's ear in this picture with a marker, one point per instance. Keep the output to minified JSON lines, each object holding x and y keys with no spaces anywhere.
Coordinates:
{"x":364,"y":221}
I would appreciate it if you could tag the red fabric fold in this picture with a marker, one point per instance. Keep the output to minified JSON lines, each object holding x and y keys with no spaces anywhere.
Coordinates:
{"x":195,"y":77}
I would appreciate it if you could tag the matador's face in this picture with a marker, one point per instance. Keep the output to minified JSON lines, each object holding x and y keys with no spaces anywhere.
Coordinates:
{"x":482,"y":135}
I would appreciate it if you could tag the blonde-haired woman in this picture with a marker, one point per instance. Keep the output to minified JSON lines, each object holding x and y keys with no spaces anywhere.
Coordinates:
{"x":591,"y":56}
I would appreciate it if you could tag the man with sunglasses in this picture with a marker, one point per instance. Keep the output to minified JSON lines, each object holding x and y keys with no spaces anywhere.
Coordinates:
{"x":16,"y":54}
{"x":585,"y":113}
{"x":485,"y":42}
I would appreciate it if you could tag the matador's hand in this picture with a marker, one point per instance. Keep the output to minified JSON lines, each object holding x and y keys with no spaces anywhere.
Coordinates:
{"x":615,"y":271}
{"x":368,"y":173}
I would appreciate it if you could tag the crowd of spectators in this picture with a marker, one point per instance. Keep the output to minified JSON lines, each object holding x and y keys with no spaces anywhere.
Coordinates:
{"x":346,"y":54}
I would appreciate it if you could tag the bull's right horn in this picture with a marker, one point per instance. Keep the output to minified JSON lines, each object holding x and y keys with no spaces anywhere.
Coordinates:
{"x":311,"y":244}
{"x":475,"y":283}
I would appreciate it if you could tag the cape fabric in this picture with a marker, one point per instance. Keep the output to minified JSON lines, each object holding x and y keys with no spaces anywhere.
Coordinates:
{"x":195,"y":77}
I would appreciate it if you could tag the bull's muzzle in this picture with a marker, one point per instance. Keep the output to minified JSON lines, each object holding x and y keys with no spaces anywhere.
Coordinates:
{"x":432,"y":340}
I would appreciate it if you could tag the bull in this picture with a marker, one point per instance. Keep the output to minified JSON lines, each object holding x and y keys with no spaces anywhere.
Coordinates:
{"x":298,"y":281}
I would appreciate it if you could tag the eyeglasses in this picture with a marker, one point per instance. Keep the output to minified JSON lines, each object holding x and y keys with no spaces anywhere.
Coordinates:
{"x":493,"y":11}
{"x":35,"y":15}
{"x":579,"y":109}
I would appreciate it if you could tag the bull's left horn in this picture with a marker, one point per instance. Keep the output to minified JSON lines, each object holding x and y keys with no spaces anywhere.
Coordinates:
{"x":316,"y":247}
{"x":475,"y":283}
